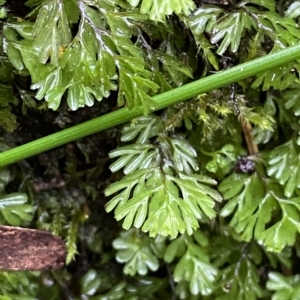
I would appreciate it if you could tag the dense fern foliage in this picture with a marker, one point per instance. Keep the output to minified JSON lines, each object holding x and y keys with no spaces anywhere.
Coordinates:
{"x":200,"y":200}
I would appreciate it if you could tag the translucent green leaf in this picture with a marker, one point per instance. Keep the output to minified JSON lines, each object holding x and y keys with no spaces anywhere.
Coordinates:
{"x":51,"y":31}
{"x":198,"y":195}
{"x":248,"y":219}
{"x":134,"y":211}
{"x":10,"y":33}
{"x":14,"y":56}
{"x":85,"y":77}
{"x":283,"y":163}
{"x":277,"y":281}
{"x":229,"y":29}
{"x":144,"y":128}
{"x":13,"y":199}
{"x":164,"y":216}
{"x":293,"y":10}
{"x":280,"y":78}
{"x":5,"y":178}
{"x":232,"y":186}
{"x":223,"y":159}
{"x":24,"y":28}
{"x":243,"y":281}
{"x":291,"y":99}
{"x":203,"y":19}
{"x":194,"y":268}
{"x":175,"y":68}
{"x":54,"y":97}
{"x":133,"y":3}
{"x":176,"y":248}
{"x":270,"y":5}
{"x":71,"y":11}
{"x":29,"y":55}
{"x":14,"y":210}
{"x":159,"y":10}
{"x":283,"y":232}
{"x":133,"y":157}
{"x":150,"y":199}
{"x":79,"y":97}
{"x":134,"y":84}
{"x":90,"y":282}
{"x":284,"y":287}
{"x":105,"y":70}
{"x":121,"y":24}
{"x":135,"y":252}
{"x":183,"y":155}
{"x":254,"y":206}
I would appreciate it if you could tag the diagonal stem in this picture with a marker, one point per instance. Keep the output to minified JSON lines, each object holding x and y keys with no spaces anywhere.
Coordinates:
{"x":163,"y":100}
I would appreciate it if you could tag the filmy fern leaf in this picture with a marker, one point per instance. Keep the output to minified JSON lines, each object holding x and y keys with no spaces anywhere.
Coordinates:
{"x":158,"y":10}
{"x":254,"y":203}
{"x":159,"y":193}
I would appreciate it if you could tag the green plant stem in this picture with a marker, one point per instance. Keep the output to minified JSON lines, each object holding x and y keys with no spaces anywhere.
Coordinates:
{"x":166,"y":99}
